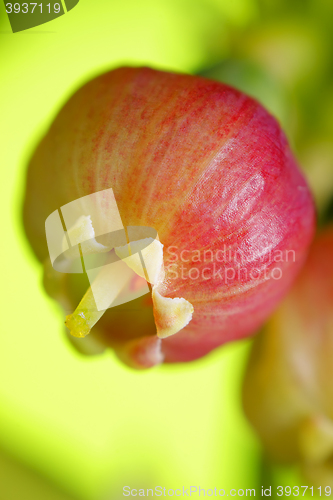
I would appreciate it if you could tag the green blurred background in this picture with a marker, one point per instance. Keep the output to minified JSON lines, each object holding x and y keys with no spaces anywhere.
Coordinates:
{"x":73,"y":427}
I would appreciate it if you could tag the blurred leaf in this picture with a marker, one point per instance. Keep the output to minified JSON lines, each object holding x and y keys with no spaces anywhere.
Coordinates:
{"x":18,"y":482}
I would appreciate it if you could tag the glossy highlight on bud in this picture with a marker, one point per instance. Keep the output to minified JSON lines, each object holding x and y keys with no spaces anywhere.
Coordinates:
{"x":205,"y":166}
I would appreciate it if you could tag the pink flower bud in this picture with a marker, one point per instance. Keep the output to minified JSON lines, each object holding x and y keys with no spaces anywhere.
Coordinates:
{"x":211,"y":171}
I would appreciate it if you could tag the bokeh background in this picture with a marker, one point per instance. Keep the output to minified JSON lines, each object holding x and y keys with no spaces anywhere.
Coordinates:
{"x":75,"y":427}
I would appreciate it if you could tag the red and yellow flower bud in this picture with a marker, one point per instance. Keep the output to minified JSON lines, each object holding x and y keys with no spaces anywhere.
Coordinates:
{"x":211,"y":171}
{"x":288,"y":390}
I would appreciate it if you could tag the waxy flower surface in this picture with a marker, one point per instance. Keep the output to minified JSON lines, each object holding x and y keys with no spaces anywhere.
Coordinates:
{"x":210,"y":171}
